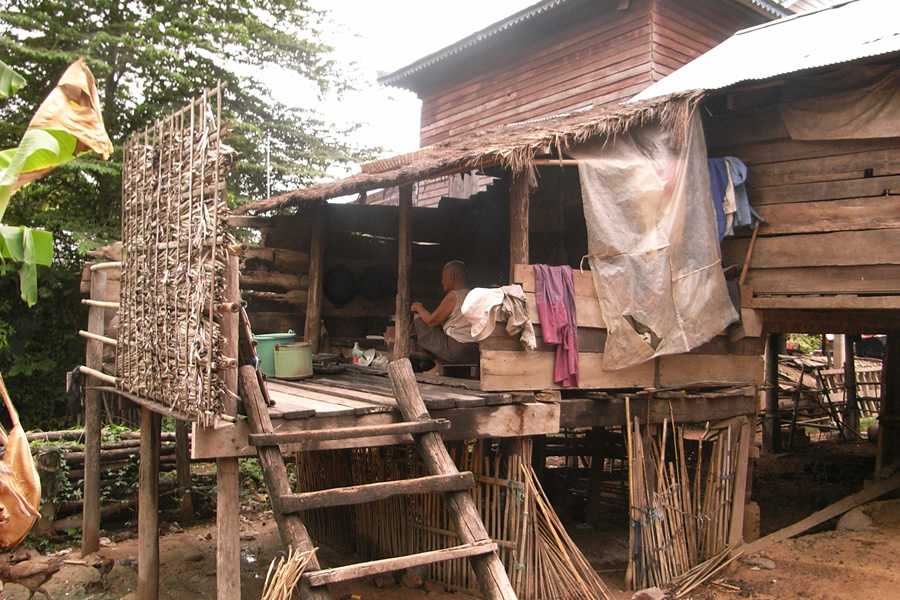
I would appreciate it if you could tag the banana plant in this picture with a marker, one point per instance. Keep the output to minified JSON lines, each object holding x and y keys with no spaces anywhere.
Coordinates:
{"x":66,"y":125}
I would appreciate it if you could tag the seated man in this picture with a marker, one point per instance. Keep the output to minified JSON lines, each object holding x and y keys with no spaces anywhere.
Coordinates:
{"x":445,"y":333}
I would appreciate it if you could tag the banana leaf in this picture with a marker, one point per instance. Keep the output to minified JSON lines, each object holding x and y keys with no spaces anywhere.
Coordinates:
{"x":10,"y":81}
{"x":29,"y":248}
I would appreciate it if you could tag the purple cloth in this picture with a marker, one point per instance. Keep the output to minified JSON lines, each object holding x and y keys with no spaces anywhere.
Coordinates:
{"x":555,"y":296}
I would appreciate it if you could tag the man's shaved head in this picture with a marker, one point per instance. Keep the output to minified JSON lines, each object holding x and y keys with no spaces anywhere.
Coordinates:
{"x":457,"y":270}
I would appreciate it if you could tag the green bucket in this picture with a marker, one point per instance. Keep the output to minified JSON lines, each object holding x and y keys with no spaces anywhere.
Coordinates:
{"x":265,"y":349}
{"x":293,"y":361}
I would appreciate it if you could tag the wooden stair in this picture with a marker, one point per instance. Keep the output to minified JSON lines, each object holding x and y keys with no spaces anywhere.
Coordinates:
{"x":445,"y":478}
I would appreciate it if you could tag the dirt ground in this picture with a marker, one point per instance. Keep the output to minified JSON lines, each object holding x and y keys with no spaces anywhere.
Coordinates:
{"x":827,"y":565}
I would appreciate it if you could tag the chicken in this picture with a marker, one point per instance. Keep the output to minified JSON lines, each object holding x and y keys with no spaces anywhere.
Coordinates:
{"x":32,"y":573}
{"x":20,"y":486}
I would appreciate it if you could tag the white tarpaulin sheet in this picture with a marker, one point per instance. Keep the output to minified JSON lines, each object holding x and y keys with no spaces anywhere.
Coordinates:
{"x":652,"y":243}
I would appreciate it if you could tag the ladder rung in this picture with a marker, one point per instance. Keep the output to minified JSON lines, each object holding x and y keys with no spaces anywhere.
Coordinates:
{"x":370,"y":492}
{"x":343,"y":433}
{"x":326,"y":576}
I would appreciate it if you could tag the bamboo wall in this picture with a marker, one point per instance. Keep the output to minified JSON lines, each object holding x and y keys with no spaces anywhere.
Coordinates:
{"x":594,"y":54}
{"x":832,"y":237}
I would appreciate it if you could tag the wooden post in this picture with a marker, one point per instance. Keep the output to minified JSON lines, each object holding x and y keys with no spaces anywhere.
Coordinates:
{"x":771,"y":439}
{"x":889,"y":417}
{"x":739,"y":501}
{"x":518,"y":221}
{"x":312,"y":331}
{"x":403,"y":323}
{"x":148,"y":507}
{"x":183,"y":471}
{"x":851,"y":406}
{"x":228,"y":503}
{"x":90,"y":512}
{"x":491,"y":575}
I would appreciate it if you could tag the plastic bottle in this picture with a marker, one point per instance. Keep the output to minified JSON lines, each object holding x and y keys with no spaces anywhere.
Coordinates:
{"x":357,"y":353}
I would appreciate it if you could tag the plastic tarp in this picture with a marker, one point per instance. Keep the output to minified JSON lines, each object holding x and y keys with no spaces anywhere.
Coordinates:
{"x":853,"y":104}
{"x":652,"y":243}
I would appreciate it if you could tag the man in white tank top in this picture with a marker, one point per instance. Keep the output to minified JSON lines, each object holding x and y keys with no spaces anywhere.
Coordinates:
{"x":445,"y":333}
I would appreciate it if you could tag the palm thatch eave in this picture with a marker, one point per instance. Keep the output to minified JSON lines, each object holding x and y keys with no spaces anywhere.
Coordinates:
{"x":512,"y":147}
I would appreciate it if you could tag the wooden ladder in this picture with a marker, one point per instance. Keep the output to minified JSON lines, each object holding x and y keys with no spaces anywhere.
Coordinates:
{"x":445,"y":478}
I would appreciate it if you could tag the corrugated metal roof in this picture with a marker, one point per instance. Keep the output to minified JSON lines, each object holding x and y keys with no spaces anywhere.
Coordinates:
{"x":765,"y":6}
{"x":844,"y":32}
{"x":475,"y":38}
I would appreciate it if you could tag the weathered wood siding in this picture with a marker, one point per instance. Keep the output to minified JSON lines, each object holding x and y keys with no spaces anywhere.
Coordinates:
{"x":601,"y":56}
{"x":832,"y":236}
{"x":505,"y":366}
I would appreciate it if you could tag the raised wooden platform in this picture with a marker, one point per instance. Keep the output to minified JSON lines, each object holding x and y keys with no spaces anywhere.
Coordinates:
{"x":358,"y":398}
{"x":363,"y":398}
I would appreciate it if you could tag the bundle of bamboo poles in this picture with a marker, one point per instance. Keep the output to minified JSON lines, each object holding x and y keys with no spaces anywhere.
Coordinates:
{"x":680,"y":513}
{"x":175,"y":240}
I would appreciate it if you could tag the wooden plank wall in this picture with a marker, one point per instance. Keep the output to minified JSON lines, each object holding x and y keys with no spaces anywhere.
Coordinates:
{"x":833,"y":219}
{"x":505,"y":366}
{"x":602,"y":56}
{"x":362,"y":240}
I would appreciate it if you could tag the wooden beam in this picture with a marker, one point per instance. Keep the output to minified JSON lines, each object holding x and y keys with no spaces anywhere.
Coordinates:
{"x":504,"y":420}
{"x":771,"y":422}
{"x":518,"y":221}
{"x":372,"y":492}
{"x":90,"y":512}
{"x":312,"y":332}
{"x":489,"y":570}
{"x":274,"y":439}
{"x":850,"y":417}
{"x":228,"y":503}
{"x":741,"y":497}
{"x":148,"y":507}
{"x":829,"y":512}
{"x":403,"y":322}
{"x":357,"y":571}
{"x":889,"y":417}
{"x":610,"y":411}
{"x":183,"y":471}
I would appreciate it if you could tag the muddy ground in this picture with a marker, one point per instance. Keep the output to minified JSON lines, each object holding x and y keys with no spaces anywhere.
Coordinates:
{"x":825,"y":565}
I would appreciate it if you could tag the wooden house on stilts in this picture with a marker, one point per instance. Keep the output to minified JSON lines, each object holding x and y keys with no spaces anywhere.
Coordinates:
{"x":667,"y":393}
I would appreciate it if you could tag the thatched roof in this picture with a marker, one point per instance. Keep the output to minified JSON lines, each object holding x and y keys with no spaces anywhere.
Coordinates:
{"x":510,"y":146}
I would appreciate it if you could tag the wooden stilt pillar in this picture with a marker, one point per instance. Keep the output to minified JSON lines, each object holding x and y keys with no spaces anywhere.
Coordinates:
{"x":518,"y":221}
{"x":771,"y":420}
{"x":183,"y":471}
{"x":403,"y":323}
{"x":889,"y":417}
{"x":228,"y":504}
{"x":851,"y":407}
{"x":90,"y":515}
{"x":312,"y":331}
{"x":148,"y":507}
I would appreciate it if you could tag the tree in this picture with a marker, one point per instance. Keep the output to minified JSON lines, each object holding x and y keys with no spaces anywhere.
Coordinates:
{"x":149,"y":58}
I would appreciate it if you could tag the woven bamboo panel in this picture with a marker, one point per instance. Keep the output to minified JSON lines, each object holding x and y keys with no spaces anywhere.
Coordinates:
{"x":175,"y":244}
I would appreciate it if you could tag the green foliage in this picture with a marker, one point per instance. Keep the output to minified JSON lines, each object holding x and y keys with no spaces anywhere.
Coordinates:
{"x":10,"y":81}
{"x":112,"y":432}
{"x":252,"y":478}
{"x":803,"y":342}
{"x":149,"y":58}
{"x":39,"y":344}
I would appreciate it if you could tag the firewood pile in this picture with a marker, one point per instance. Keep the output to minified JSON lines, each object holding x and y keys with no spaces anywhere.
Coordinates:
{"x":175,"y":248}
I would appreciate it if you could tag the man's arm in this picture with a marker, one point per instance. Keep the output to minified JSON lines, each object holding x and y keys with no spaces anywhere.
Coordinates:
{"x":440,"y":314}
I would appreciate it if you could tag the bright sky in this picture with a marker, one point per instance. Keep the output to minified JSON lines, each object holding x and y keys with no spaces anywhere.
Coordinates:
{"x":385,"y":35}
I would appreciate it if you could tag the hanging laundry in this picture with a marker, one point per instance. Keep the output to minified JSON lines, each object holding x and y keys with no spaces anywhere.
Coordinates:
{"x":483,"y":307}
{"x":555,"y":298}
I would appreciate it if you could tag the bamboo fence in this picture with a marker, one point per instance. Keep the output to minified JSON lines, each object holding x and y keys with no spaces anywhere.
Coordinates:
{"x":175,"y":241}
{"x":681,"y":500}
{"x":540,"y":559}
